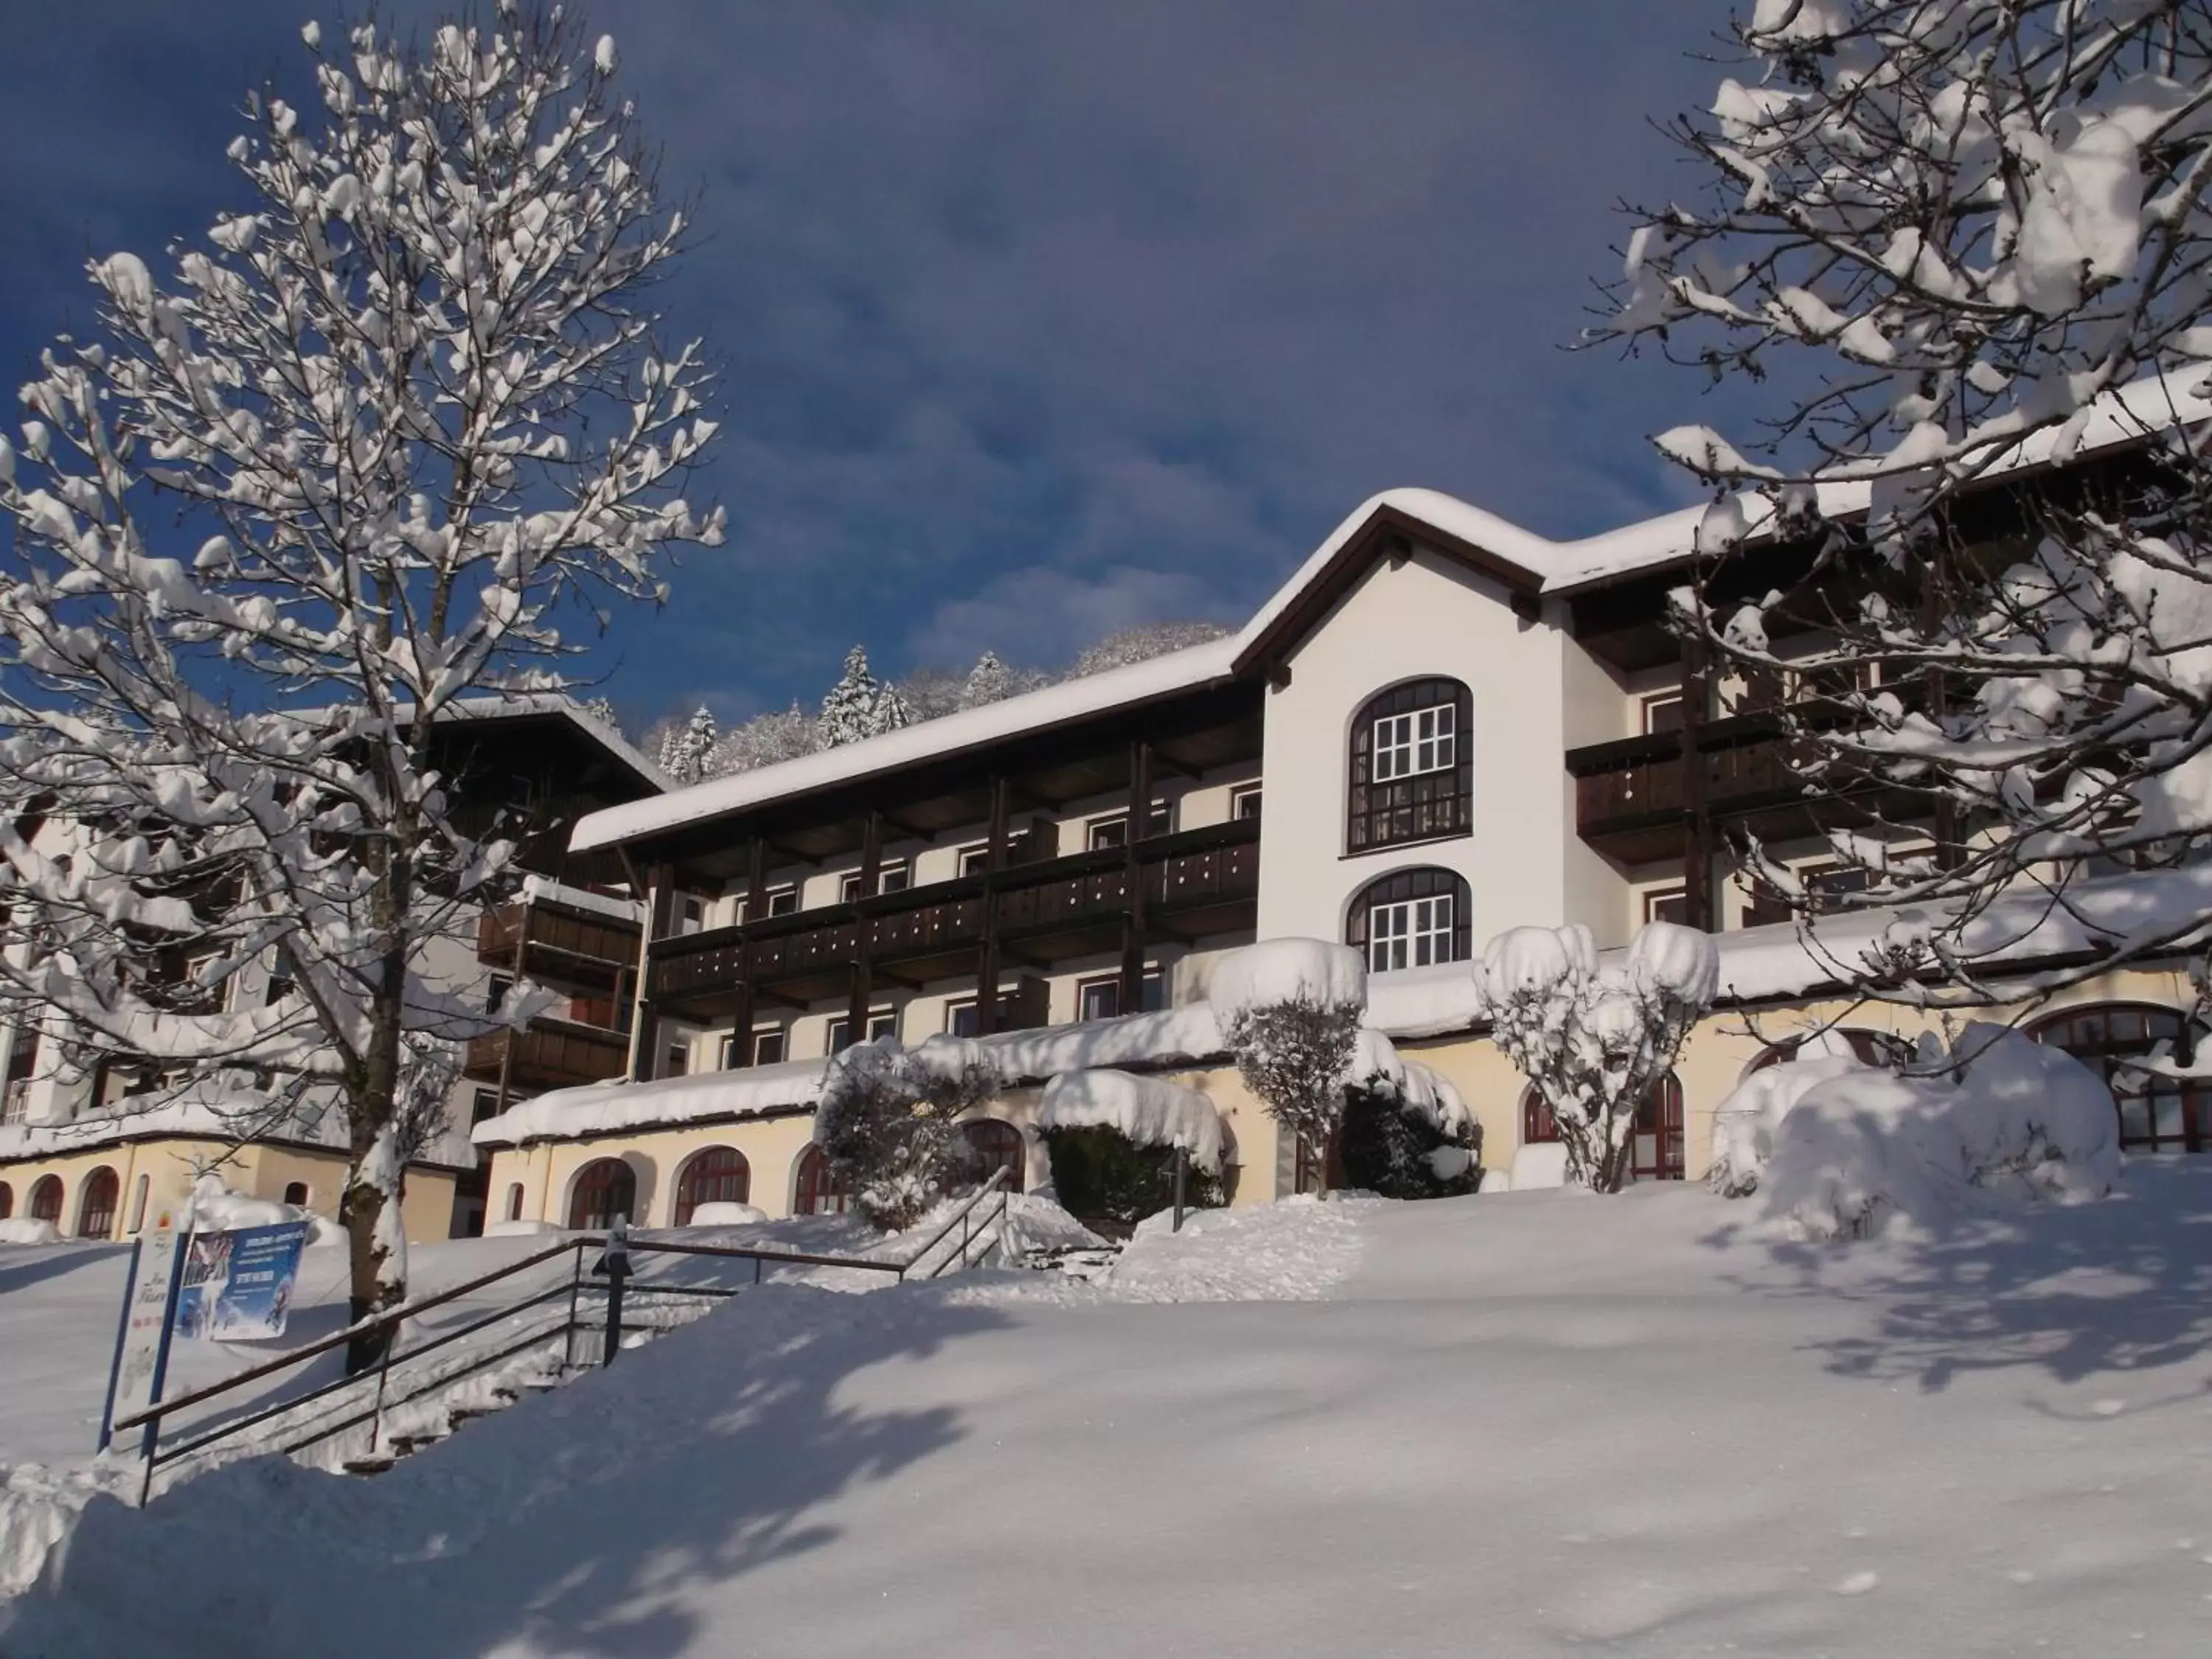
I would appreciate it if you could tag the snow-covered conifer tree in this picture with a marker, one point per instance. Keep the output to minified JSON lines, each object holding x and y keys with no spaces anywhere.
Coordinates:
{"x":332,"y":469}
{"x":1937,"y":239}
{"x":859,"y":705}
{"x":685,"y":755}
{"x":1594,"y":1042}
{"x":988,"y":681}
{"x":1142,"y":644}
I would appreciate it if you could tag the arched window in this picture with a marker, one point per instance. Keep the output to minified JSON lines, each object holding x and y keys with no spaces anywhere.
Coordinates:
{"x":140,"y":1190}
{"x":514,"y":1200}
{"x":1412,"y":766}
{"x":46,"y":1200}
{"x":1870,"y":1048}
{"x":6,"y":1200}
{"x":2157,"y":1114}
{"x":296,"y":1194}
{"x":95,"y":1203}
{"x":718,"y":1176}
{"x":986,"y":1145}
{"x":605,"y":1192}
{"x":1409,"y":919}
{"x":1658,"y":1153}
{"x":820,"y":1193}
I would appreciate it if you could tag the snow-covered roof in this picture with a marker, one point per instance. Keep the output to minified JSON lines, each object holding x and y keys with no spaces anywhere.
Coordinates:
{"x":1534,"y":562}
{"x":495,"y":705}
{"x":1171,"y":1038}
{"x":971,"y":728}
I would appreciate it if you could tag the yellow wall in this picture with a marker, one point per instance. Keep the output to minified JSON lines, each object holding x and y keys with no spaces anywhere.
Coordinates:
{"x":172,"y":1163}
{"x":547,"y":1171}
{"x":1713,"y":1062}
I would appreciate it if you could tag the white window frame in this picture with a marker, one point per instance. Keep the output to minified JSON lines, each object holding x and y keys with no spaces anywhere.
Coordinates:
{"x":1414,"y":743}
{"x":1415,"y":932}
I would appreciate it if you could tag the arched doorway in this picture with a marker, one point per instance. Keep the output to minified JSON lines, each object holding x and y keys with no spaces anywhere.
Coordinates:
{"x":819,"y":1191}
{"x":6,"y":1200}
{"x":987,"y":1144}
{"x":95,"y":1204}
{"x":46,"y":1200}
{"x":718,"y":1175}
{"x":605,"y":1192}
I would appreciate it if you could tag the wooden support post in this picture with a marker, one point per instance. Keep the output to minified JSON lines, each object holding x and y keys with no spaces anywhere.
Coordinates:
{"x":987,"y":959}
{"x":659,"y":924}
{"x":1134,"y":937}
{"x":1699,"y":909}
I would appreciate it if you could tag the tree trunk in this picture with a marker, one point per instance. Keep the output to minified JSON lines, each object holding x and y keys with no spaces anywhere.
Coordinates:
{"x":376,"y":1177}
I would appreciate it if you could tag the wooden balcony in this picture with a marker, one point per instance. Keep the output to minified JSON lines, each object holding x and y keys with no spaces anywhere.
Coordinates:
{"x":550,"y":1054}
{"x":561,"y":945}
{"x":1631,"y":797}
{"x":1198,"y":883}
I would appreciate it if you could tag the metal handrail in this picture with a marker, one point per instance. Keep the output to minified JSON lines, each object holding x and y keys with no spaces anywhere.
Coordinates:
{"x":161,"y":1408}
{"x":998,"y":1179}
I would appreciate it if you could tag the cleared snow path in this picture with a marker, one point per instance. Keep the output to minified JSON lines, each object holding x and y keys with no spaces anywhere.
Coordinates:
{"x":1533,"y":1423}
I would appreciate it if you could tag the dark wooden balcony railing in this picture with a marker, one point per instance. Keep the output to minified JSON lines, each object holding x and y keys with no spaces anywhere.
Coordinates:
{"x":550,"y":1054}
{"x":1631,"y":796}
{"x":555,"y":933}
{"x":1207,"y":877}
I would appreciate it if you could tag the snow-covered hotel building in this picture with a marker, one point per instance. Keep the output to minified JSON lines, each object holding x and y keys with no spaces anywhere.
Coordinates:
{"x":98,"y":1147}
{"x":1440,"y":725}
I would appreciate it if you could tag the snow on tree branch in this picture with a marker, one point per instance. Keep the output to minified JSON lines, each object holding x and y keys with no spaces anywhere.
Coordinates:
{"x":1595,"y":1040}
{"x":333,"y":468}
{"x":1948,"y":238}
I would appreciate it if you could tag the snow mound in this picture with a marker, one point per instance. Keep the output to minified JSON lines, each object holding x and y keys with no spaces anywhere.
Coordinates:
{"x":1279,"y":970}
{"x":1744,"y":1124}
{"x":1293,"y":1250}
{"x":22,"y":1230}
{"x":215,"y":1208}
{"x":1035,"y":1222}
{"x":1150,"y":1112}
{"x":1538,"y":1166}
{"x":720,"y":1212}
{"x":520,"y":1229}
{"x":1864,"y":1148}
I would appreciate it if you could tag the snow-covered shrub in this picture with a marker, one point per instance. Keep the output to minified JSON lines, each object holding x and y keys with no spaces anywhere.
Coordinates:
{"x":1999,"y":1113}
{"x":1390,"y":1146}
{"x":1112,"y":1137}
{"x":886,"y":1119}
{"x":1290,"y":1010}
{"x":1110,"y":1182}
{"x":1744,"y":1125}
{"x":1592,"y":1041}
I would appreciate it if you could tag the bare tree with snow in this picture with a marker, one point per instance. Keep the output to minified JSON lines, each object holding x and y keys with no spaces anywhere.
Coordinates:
{"x":1954,"y":237}
{"x":1290,"y":1009}
{"x":336,"y":469}
{"x":1595,"y":1040}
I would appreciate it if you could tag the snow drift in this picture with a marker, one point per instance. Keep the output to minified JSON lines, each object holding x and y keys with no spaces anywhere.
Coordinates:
{"x":1854,"y":1147}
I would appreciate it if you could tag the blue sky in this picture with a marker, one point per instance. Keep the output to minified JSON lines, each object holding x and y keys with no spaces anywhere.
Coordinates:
{"x":1038,"y":320}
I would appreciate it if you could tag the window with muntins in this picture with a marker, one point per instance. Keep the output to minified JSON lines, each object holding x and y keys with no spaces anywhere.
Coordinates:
{"x":1410,"y":919}
{"x":2158,"y":1114}
{"x":1411,"y":776}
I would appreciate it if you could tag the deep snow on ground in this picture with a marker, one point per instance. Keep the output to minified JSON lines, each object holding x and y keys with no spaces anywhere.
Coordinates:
{"x":1529,"y":1424}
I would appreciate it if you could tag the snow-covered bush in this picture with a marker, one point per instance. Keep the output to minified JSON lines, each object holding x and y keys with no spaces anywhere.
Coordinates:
{"x":886,"y":1119}
{"x":1744,"y":1124}
{"x":1855,"y":1146}
{"x":1290,"y":1010}
{"x":1388,"y":1149}
{"x":1594,"y":1042}
{"x":1112,"y":1136}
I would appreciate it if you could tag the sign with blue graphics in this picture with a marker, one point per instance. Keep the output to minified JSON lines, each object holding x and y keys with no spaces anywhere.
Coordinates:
{"x":238,"y":1286}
